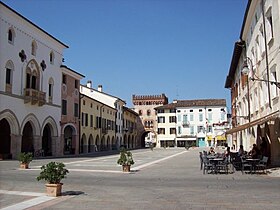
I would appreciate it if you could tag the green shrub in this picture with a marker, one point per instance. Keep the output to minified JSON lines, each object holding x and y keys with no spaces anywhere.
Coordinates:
{"x":53,"y":172}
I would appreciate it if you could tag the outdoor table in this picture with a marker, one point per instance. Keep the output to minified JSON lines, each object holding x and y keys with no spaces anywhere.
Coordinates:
{"x":215,"y":161}
{"x":253,"y":162}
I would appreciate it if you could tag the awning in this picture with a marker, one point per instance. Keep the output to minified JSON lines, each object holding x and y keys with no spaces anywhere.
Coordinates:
{"x":221,"y":138}
{"x":253,"y":123}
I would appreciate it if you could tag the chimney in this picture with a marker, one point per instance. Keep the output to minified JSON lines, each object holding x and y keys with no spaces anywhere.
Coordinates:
{"x":99,"y":88}
{"x":89,"y":84}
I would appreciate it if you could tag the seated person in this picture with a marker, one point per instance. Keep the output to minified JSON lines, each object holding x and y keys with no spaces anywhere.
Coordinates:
{"x":241,"y":151}
{"x":255,"y":152}
{"x":211,"y":151}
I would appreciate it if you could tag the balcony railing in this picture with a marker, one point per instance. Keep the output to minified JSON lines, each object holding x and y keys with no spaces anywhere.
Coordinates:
{"x":186,"y":123}
{"x":34,"y":96}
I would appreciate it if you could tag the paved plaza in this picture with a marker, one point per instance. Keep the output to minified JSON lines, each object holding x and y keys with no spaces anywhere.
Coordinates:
{"x":161,"y":179}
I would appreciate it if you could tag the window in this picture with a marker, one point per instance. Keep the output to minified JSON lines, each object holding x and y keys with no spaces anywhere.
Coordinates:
{"x":200,"y":117}
{"x":161,"y":119}
{"x":160,"y":110}
{"x":179,"y":129}
{"x":179,"y":118}
{"x":86,"y":119}
{"x":172,"y":119}
{"x":148,"y":112}
{"x":64,"y":79}
{"x":223,"y":115}
{"x":51,"y":82}
{"x":172,"y":130}
{"x":83,"y":119}
{"x":269,"y":24}
{"x":91,"y":120}
{"x":210,"y":129}
{"x":140,"y":112}
{"x":51,"y":58}
{"x":11,"y":36}
{"x":273,"y":77}
{"x":33,"y":48}
{"x":191,"y":117}
{"x":185,"y":118}
{"x":172,"y":110}
{"x":8,"y":76}
{"x":192,"y":130}
{"x":76,"y":83}
{"x":200,"y":129}
{"x":210,"y":117}
{"x":76,"y":109}
{"x":161,"y":130}
{"x":32,"y":75}
{"x":148,"y":124}
{"x":64,"y":107}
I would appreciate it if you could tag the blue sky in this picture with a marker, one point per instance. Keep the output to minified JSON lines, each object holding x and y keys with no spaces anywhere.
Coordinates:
{"x":182,"y":48}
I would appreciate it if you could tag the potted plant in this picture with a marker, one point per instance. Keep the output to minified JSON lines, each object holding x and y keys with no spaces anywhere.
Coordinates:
{"x":25,"y":159}
{"x":53,"y":173}
{"x":125,"y":160}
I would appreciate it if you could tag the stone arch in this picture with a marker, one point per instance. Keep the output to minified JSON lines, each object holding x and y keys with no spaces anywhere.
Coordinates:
{"x":108,"y":143}
{"x":12,"y":120}
{"x":102,"y":145}
{"x":34,"y":123}
{"x":53,"y":125}
{"x":114,"y":145}
{"x":83,"y":144}
{"x":68,"y":132}
{"x":72,"y":126}
{"x":97,"y":143}
{"x":90,"y":144}
{"x":125,"y":140}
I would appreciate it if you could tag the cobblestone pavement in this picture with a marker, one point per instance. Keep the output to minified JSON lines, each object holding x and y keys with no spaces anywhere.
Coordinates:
{"x":160,"y":179}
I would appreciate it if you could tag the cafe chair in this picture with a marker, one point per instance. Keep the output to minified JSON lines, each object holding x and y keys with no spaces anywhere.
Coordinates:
{"x":262,"y":164}
{"x":207,"y":165}
{"x":245,"y":165}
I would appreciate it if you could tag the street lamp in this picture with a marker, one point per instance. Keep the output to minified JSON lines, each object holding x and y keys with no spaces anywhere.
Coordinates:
{"x":246,"y":71}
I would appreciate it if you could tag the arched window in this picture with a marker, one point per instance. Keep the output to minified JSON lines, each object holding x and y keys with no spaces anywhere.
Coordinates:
{"x":11,"y":36}
{"x":9,"y":76}
{"x":32,"y":76}
{"x":33,"y":48}
{"x":51,"y":57}
{"x":51,"y":83}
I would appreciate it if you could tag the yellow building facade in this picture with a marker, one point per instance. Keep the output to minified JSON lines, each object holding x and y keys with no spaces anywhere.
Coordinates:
{"x":97,"y":126}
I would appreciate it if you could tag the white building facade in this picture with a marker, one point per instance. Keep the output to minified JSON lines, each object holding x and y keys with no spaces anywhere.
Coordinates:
{"x":255,"y":96}
{"x":192,"y":123}
{"x":30,"y":86}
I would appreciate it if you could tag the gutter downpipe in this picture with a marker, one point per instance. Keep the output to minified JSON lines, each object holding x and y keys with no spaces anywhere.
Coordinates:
{"x":266,"y":55}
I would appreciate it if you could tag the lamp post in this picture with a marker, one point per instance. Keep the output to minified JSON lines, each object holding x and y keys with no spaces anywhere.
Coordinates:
{"x":246,"y":71}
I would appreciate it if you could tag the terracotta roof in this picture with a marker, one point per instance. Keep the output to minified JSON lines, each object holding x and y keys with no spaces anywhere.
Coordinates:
{"x":193,"y":103}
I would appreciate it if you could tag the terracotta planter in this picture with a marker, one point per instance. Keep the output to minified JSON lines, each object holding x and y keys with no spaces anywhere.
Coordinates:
{"x":54,"y":190}
{"x":24,"y":165}
{"x":126,"y":168}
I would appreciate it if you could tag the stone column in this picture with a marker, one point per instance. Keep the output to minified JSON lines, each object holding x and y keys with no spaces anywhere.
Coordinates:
{"x":56,"y":146}
{"x":37,"y":142}
{"x":15,"y":145}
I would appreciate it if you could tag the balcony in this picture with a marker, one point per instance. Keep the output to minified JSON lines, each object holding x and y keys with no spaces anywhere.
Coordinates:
{"x":34,"y":97}
{"x":185,"y":124}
